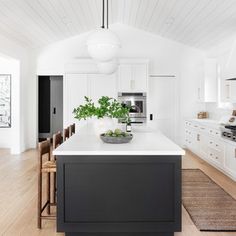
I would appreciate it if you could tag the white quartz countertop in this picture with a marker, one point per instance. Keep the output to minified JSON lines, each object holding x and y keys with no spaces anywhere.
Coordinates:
{"x":207,"y":122}
{"x":143,"y":143}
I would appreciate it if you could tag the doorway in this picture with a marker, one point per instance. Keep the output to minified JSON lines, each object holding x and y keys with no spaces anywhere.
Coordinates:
{"x":50,"y":105}
{"x":164,"y":104}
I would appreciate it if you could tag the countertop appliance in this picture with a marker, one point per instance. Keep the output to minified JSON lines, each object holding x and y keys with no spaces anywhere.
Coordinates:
{"x":228,"y":127}
{"x":137,"y":102}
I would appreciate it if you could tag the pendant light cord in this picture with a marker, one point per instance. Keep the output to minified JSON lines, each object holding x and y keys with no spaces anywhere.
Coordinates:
{"x":107,"y":14}
{"x":103,"y":12}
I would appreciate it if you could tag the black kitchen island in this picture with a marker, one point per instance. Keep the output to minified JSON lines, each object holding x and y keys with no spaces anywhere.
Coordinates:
{"x":125,"y":189}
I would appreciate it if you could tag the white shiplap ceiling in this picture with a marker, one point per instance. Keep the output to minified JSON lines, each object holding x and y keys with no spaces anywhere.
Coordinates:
{"x":197,"y":23}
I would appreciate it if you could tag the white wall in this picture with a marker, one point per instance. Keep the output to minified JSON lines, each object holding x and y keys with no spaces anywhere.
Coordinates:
{"x":166,"y":58}
{"x":23,"y":97}
{"x":12,"y":67}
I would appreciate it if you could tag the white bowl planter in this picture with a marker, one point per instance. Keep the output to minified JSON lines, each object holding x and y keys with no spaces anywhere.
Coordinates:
{"x":104,"y":124}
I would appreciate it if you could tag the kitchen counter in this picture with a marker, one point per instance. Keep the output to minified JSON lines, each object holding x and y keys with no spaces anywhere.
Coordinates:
{"x":143,"y":143}
{"x":207,"y":122}
{"x":119,"y":189}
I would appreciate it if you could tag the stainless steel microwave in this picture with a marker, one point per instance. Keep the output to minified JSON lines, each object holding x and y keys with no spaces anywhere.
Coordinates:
{"x":137,"y":103}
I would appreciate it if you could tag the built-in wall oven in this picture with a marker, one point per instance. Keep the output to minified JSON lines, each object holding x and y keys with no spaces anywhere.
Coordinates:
{"x":137,"y":103}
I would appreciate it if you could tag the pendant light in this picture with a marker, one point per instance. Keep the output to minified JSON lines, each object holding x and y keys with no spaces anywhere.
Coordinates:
{"x":107,"y":67}
{"x":103,"y":45}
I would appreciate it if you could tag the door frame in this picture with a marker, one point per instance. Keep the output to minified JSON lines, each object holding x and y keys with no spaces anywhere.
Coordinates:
{"x":37,"y":100}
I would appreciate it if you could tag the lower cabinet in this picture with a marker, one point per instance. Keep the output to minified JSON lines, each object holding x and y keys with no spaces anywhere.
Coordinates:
{"x":207,"y":143}
{"x":230,"y":159}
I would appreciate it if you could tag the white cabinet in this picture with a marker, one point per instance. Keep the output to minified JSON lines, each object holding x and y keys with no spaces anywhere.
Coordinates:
{"x":102,"y":85}
{"x":75,"y":88}
{"x":133,"y":77}
{"x":207,"y":81}
{"x":207,"y":143}
{"x":203,"y":145}
{"x":228,"y":91}
{"x":230,"y":159}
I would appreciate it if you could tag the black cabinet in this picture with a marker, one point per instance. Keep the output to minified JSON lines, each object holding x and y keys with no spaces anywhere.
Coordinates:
{"x":119,"y":195}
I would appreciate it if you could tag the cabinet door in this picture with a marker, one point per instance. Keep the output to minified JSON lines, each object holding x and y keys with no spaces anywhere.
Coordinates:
{"x":232,"y":90}
{"x":102,"y":85}
{"x":75,"y":88}
{"x":228,"y":91}
{"x":210,"y":80}
{"x":139,"y":78}
{"x":225,"y":91}
{"x":204,"y":139}
{"x":125,"y":74}
{"x":230,"y":159}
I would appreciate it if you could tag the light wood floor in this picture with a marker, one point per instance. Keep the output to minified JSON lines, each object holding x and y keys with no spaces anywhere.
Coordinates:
{"x":18,"y":196}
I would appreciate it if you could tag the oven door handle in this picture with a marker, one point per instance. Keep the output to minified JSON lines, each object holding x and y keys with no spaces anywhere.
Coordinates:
{"x":135,"y":106}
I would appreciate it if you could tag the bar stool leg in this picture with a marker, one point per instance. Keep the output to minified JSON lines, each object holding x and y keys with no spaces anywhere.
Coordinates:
{"x":48,"y":193}
{"x":39,"y":200}
{"x":54,"y":187}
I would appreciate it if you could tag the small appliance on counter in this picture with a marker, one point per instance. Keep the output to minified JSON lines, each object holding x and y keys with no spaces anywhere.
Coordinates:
{"x":228,"y":127}
{"x":202,"y":115}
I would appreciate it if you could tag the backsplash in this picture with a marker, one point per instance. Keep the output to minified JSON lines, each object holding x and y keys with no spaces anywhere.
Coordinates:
{"x":216,"y":113}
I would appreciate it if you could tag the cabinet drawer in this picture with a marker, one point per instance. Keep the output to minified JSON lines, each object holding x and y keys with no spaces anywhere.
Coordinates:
{"x":213,"y":132}
{"x":188,"y":124}
{"x":216,"y":145}
{"x":216,"y":156}
{"x":202,"y":129}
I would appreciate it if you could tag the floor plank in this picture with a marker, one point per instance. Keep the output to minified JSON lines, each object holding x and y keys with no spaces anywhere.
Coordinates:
{"x":18,"y":196}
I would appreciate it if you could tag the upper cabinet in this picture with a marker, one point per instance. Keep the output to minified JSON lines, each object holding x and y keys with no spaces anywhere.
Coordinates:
{"x":207,"y":81}
{"x":102,"y":85}
{"x":228,"y":91}
{"x":133,"y":76}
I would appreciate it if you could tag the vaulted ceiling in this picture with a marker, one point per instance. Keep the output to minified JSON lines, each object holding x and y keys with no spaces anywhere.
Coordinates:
{"x":197,"y":23}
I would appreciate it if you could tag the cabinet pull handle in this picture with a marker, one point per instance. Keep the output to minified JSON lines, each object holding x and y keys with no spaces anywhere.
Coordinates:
{"x":198,"y":92}
{"x":198,"y":137}
{"x":234,"y":153}
{"x":227,"y":91}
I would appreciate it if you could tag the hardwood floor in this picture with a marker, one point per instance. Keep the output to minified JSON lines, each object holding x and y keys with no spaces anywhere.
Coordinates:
{"x":18,"y":195}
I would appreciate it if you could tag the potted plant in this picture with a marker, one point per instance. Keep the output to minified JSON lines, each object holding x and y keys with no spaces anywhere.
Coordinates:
{"x":105,"y":112}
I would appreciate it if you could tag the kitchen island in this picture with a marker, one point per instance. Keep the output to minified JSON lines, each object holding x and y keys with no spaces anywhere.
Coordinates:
{"x":119,"y":189}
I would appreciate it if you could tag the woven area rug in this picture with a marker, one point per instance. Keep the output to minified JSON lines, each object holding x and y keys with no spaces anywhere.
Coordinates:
{"x":209,"y":206}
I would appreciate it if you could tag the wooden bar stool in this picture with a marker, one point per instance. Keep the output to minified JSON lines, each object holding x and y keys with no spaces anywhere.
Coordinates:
{"x":66,"y":134}
{"x":44,"y":167}
{"x":56,"y":141}
{"x":72,"y":129}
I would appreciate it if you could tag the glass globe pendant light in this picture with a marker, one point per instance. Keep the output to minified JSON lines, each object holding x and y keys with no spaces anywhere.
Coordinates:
{"x":103,"y":45}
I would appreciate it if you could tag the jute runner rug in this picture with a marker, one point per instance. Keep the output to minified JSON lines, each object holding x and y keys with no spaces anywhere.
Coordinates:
{"x":209,"y":206}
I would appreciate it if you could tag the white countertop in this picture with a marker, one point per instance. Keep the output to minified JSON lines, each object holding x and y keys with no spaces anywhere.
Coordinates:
{"x":143,"y":143}
{"x":208,"y":122}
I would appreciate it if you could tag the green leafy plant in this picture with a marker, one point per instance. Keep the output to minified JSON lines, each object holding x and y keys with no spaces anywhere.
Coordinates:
{"x":107,"y":107}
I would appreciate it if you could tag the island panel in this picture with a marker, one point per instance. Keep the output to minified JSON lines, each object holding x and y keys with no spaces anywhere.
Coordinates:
{"x":120,"y":195}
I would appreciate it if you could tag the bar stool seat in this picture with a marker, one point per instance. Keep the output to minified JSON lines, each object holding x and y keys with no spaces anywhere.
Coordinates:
{"x":49,"y":166}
